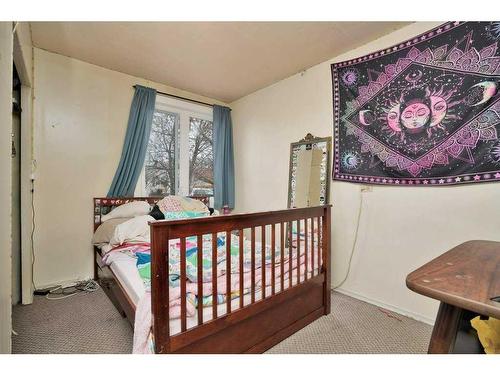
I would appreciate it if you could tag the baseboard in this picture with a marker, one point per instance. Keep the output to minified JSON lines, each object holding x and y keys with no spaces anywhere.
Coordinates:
{"x":409,"y":314}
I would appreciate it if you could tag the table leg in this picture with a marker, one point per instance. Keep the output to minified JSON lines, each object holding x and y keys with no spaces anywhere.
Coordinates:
{"x":445,"y":329}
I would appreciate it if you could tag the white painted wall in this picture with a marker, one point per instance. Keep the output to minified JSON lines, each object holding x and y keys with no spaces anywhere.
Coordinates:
{"x":400,"y":228}
{"x":81,"y":113}
{"x":5,"y":184}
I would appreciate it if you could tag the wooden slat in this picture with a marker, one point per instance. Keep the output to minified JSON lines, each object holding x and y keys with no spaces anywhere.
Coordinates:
{"x":326,"y":250}
{"x":183,"y":284}
{"x":252,"y":246}
{"x":199,"y":262}
{"x":228,"y":272}
{"x":290,"y":254}
{"x":298,"y":252}
{"x":214,"y":275}
{"x":262,"y":306}
{"x":160,"y":289}
{"x":160,"y":234}
{"x":273,"y":256}
{"x":263,"y":260}
{"x":320,"y":235}
{"x":306,"y":249}
{"x":241,"y":253}
{"x":312,"y":247}
{"x":282,"y":256}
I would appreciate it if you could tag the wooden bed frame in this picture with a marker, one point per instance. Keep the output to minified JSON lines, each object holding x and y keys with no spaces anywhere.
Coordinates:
{"x":252,"y":327}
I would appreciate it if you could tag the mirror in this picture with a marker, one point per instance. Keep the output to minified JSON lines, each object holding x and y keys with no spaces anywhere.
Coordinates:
{"x":309,"y":176}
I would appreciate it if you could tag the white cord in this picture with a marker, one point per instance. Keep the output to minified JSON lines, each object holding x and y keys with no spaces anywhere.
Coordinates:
{"x":87,"y":286}
{"x":62,"y":296}
{"x":355,"y":242}
{"x":90,"y":286}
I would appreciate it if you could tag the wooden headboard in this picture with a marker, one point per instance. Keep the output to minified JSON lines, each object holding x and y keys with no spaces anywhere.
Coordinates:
{"x":104,"y":205}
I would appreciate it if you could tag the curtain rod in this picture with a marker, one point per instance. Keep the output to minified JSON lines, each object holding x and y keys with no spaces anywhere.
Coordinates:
{"x":183,"y":98}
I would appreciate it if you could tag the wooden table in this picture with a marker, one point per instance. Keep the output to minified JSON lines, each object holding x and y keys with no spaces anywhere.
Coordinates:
{"x":465,"y":279}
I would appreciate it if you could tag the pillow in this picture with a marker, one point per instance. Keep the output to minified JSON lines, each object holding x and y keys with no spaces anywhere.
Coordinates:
{"x":184,"y":215}
{"x":191,"y":204}
{"x":133,"y":230}
{"x":175,"y":203}
{"x":169,"y":204}
{"x":156,"y":213}
{"x":106,"y":230}
{"x":132,"y":209}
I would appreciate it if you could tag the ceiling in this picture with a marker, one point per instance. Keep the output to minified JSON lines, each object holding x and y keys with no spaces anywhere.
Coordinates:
{"x":221,"y":60}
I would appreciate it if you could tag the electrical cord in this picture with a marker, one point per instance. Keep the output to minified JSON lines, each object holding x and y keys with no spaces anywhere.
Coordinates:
{"x":355,"y":242}
{"x":33,"y":234}
{"x":87,"y":286}
{"x":60,"y":292}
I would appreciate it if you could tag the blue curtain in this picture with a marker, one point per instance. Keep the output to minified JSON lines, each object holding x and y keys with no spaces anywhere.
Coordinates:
{"x":223,"y":158}
{"x":136,"y":143}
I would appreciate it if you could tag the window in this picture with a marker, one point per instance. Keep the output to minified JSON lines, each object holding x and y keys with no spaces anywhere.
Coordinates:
{"x":160,"y":164}
{"x":201,"y":157}
{"x":179,"y":157}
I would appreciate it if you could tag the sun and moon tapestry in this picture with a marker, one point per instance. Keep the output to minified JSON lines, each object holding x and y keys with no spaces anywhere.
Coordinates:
{"x":424,"y":112}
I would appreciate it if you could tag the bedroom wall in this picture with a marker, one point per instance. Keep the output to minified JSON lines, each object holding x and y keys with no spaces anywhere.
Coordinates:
{"x":5,"y":184}
{"x":400,"y":228}
{"x":81,"y":113}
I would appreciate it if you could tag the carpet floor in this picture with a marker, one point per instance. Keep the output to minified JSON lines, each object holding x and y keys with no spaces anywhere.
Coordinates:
{"x":89,"y":323}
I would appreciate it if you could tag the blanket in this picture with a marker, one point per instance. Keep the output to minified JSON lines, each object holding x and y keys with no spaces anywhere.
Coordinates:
{"x":142,"y":254}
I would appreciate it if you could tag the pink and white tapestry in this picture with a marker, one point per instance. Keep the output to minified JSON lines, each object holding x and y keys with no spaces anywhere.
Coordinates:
{"x":423,"y":112}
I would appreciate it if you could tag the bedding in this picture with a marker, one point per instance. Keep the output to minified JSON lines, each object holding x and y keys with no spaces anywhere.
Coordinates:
{"x":135,"y":230}
{"x":125,"y":269}
{"x":127,"y":210}
{"x":105,"y":231}
{"x":175,"y":203}
{"x":141,"y":254}
{"x":190,"y":204}
{"x":185,"y":215}
{"x":130,"y":245}
{"x":132,"y":237}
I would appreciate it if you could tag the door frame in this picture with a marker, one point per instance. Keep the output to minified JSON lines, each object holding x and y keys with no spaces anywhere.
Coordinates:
{"x":25,"y":71}
{"x":26,"y":196}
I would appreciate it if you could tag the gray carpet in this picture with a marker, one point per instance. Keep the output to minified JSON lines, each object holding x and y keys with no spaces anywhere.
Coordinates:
{"x":355,"y":326}
{"x":86,"y":323}
{"x":89,"y":323}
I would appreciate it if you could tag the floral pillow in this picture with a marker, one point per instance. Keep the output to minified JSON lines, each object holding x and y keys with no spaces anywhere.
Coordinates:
{"x":170,"y":203}
{"x":176,"y":203}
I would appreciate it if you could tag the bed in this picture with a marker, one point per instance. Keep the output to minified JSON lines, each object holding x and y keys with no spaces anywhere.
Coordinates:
{"x":276,"y":266}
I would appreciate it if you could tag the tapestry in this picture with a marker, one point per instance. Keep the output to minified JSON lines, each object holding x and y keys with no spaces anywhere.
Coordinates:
{"x":423,"y":112}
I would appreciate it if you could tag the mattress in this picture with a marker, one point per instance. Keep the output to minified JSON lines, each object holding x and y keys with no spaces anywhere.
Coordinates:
{"x":124,"y":267}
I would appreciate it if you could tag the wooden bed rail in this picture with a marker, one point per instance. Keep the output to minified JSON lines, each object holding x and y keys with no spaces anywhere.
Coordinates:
{"x":261,"y":320}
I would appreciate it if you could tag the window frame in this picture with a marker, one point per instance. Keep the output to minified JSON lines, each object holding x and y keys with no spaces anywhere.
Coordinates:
{"x":185,"y":110}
